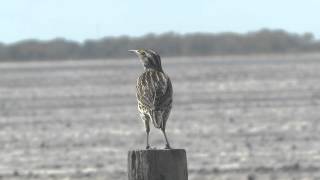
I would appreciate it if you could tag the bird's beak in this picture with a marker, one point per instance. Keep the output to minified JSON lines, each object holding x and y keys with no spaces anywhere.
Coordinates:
{"x":134,"y":51}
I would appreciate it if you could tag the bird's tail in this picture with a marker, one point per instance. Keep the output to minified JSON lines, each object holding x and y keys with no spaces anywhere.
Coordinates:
{"x":157,"y":118}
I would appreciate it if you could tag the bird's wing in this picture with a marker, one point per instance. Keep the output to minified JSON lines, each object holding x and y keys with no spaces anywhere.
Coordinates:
{"x":154,"y":90}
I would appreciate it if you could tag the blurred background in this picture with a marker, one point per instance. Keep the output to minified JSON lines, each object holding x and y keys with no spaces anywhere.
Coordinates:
{"x":245,"y":77}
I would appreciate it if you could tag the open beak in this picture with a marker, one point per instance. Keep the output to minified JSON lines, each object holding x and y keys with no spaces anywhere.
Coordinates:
{"x":134,"y":51}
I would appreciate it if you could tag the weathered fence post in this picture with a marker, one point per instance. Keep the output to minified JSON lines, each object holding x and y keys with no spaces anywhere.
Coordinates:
{"x":157,"y":164}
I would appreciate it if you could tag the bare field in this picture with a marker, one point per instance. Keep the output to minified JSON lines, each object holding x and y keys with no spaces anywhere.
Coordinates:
{"x":237,"y":117}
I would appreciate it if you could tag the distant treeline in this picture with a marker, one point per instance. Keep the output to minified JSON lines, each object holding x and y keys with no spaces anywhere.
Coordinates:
{"x":169,"y":44}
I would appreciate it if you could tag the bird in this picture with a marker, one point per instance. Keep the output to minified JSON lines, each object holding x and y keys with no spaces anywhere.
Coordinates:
{"x":154,"y":93}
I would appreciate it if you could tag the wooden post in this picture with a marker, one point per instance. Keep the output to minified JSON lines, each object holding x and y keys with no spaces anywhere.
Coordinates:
{"x":157,"y":164}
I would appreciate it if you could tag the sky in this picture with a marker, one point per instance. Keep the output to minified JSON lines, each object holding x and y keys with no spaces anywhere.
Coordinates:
{"x":83,"y":19}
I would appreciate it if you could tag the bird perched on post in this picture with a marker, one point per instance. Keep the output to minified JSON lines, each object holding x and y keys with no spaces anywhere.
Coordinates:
{"x":154,"y":93}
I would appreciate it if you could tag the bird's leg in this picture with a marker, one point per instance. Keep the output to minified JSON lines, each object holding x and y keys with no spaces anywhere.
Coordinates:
{"x":148,"y":145}
{"x":148,"y":131}
{"x":165,"y":136}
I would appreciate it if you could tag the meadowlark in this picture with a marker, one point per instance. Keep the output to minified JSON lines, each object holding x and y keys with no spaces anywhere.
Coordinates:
{"x":154,"y":93}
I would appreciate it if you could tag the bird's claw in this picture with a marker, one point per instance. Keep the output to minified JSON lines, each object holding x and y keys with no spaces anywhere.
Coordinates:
{"x":168,"y":146}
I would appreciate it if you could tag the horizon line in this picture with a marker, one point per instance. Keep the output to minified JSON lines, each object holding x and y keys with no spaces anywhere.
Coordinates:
{"x":159,"y":34}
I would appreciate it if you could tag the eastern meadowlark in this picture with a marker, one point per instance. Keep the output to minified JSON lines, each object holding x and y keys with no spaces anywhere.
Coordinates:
{"x":154,"y":93}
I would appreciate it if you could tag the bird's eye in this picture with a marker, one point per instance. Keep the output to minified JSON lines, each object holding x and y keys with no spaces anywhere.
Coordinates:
{"x":143,"y":53}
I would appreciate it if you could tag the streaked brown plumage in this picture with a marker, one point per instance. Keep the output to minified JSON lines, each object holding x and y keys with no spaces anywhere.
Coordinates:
{"x":154,"y":93}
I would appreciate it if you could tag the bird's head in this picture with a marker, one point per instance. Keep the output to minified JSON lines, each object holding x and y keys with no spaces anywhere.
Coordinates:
{"x":149,"y":58}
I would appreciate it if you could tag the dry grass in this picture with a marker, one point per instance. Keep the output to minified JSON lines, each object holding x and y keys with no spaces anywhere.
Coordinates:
{"x":238,"y":118}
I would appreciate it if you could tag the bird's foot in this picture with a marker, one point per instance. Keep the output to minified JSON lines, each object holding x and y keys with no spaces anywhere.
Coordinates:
{"x":150,"y":147}
{"x":168,"y":146}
